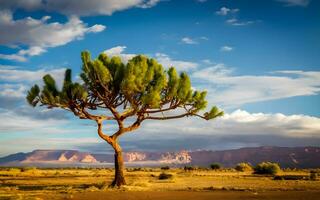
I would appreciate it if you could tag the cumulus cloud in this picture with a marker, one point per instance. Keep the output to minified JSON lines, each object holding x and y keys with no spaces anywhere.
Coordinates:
{"x":226,"y":48}
{"x":78,"y":7}
{"x":230,"y":90}
{"x":38,"y":34}
{"x":240,"y":122}
{"x":19,"y":75}
{"x":225,"y":11}
{"x":302,"y":3}
{"x":162,"y":58}
{"x":13,"y":122}
{"x":233,"y":20}
{"x":187,"y":40}
{"x":234,"y":130}
{"x":14,"y":84}
{"x":180,"y":65}
{"x":119,"y":51}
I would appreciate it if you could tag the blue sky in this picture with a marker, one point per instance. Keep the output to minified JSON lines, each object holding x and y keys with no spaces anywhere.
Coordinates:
{"x":259,"y":61}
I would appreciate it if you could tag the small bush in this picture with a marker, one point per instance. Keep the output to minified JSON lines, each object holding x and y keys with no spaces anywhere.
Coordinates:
{"x":313,"y":175}
{"x":164,"y":176}
{"x":243,"y":167}
{"x":165,"y":168}
{"x":215,"y":166}
{"x":268,"y":168}
{"x":189,"y":168}
{"x":291,"y":177}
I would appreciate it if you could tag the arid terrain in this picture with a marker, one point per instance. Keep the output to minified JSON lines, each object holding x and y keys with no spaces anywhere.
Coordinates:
{"x":144,"y":183}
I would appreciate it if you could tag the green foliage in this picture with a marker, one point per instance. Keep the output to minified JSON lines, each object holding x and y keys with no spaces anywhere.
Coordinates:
{"x":243,"y":167}
{"x":215,"y":166}
{"x":268,"y":168}
{"x":141,"y":84}
{"x":33,"y":94}
{"x":214,"y":113}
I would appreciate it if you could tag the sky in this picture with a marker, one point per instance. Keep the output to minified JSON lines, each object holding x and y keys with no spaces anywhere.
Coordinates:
{"x":258,"y":60}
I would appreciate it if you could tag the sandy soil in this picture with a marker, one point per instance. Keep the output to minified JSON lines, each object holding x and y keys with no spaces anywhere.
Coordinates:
{"x":188,"y":195}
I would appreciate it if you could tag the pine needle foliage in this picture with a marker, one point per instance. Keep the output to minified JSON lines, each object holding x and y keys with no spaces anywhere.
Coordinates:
{"x":142,"y":86}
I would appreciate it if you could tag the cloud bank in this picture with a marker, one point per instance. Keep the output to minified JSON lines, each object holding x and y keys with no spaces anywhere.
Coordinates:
{"x":78,"y":7}
{"x":228,"y":89}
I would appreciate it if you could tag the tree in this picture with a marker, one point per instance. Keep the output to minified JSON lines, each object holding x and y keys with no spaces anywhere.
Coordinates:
{"x":137,"y":91}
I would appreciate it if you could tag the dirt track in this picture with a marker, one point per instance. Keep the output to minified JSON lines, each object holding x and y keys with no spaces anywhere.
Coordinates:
{"x":186,"y":195}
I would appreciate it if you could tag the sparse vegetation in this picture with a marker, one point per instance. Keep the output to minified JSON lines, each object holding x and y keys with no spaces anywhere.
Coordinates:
{"x":243,"y":167}
{"x":313,"y":175}
{"x":189,"y":168}
{"x":165,"y":168}
{"x":267,"y":168}
{"x":215,"y":166}
{"x":54,"y":182}
{"x":164,"y":176}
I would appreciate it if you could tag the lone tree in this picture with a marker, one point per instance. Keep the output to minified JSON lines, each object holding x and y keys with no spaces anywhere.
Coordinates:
{"x":132,"y":92}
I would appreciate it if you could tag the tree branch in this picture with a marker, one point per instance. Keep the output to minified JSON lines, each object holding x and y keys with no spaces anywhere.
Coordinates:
{"x":135,"y":125}
{"x":175,"y":116}
{"x":102,"y":135}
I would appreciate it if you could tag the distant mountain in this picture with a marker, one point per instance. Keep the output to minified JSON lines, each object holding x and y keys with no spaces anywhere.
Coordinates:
{"x":298,"y":157}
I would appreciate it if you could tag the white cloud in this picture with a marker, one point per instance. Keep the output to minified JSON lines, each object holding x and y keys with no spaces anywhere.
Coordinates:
{"x":236,"y":22}
{"x":11,"y":122}
{"x":226,"y":48}
{"x":240,"y":122}
{"x":22,"y":76}
{"x":204,"y":38}
{"x":15,"y":57}
{"x":188,"y":40}
{"x":149,"y":4}
{"x":38,"y":34}
{"x":78,"y":7}
{"x":302,"y":3}
{"x":16,"y":82}
{"x":162,"y":58}
{"x":180,"y":65}
{"x":119,"y":51}
{"x":225,"y":11}
{"x":32,"y":51}
{"x":12,"y":90}
{"x":231,"y":90}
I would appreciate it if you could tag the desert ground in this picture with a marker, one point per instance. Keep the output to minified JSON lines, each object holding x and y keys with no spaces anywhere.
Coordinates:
{"x":144,"y":183}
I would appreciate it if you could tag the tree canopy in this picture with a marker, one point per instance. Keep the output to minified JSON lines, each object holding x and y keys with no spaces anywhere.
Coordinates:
{"x":141,"y":88}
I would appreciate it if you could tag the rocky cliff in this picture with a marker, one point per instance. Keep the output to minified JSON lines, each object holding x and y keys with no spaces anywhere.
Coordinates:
{"x":298,"y":157}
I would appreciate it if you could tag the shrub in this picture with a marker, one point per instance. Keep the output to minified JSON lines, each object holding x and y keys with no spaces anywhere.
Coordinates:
{"x":164,"y":176}
{"x":215,"y":166}
{"x":165,"y":168}
{"x":189,"y":168}
{"x":267,"y":168}
{"x":313,"y":175}
{"x":243,"y":167}
{"x":291,"y":177}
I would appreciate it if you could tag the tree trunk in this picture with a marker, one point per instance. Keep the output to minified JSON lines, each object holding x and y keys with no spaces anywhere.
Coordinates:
{"x":119,"y":168}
